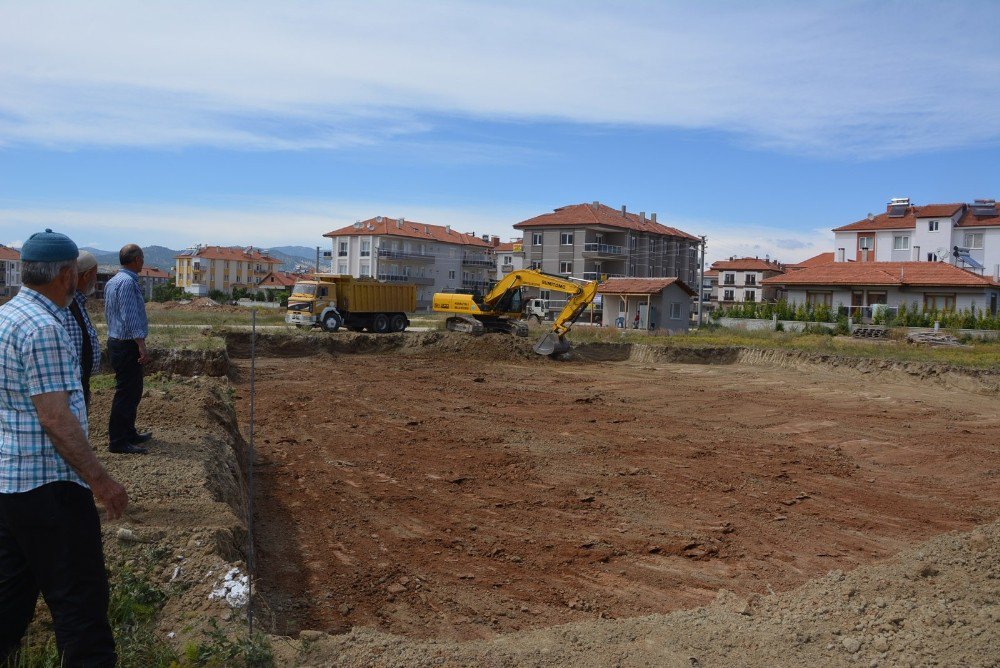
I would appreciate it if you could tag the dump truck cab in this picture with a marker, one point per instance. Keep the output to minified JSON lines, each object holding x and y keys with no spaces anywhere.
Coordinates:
{"x":314,"y":303}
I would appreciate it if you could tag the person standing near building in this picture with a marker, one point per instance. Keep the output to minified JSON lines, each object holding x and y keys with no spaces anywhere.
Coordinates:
{"x":50,"y":533}
{"x":77,"y":320}
{"x":125,"y":312}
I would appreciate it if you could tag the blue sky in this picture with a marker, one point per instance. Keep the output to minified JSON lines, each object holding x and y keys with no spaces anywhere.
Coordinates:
{"x":270,"y":123}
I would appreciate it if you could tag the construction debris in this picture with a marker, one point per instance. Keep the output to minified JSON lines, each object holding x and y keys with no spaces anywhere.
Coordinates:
{"x":935,"y":339}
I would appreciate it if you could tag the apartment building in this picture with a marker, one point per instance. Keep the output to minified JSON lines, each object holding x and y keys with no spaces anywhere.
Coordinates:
{"x":201,"y":269}
{"x":906,"y":232}
{"x":741,"y":279}
{"x":510,"y":257}
{"x":435,"y":258}
{"x":10,"y":272}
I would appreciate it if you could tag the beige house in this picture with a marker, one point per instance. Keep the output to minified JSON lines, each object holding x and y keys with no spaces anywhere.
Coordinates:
{"x":202,"y":269}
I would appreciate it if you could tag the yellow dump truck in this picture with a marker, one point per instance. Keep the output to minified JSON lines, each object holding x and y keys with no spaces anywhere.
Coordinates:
{"x":333,"y":301}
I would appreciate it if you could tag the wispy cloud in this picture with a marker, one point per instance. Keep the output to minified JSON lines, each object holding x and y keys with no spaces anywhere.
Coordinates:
{"x":831,"y":78}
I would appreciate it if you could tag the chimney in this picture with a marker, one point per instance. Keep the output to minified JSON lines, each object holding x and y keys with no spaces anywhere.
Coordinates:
{"x":642,"y":216}
{"x":399,"y":224}
{"x":652,"y":216}
{"x":595,"y":204}
{"x":495,"y":241}
{"x":623,"y":210}
{"x":427,"y":230}
{"x":447,"y":229}
{"x":996,"y":273}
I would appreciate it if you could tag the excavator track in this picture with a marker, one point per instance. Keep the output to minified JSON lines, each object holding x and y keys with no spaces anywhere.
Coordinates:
{"x":465,"y":324}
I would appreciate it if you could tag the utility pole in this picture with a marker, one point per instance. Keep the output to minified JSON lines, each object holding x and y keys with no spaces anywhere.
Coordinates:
{"x":701,"y":283}
{"x":317,"y":259}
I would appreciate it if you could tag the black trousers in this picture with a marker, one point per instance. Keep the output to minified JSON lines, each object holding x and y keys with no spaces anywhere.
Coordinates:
{"x":124,"y":358}
{"x":50,"y":542}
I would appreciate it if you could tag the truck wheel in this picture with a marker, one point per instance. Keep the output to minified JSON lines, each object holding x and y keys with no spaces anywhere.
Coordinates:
{"x":380,"y":323}
{"x":397,"y":323}
{"x":331,"y":323}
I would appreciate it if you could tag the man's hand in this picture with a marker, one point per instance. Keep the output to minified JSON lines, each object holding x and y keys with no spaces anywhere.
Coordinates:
{"x":143,"y":353}
{"x":111,"y":495}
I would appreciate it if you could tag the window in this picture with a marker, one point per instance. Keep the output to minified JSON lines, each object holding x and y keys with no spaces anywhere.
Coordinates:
{"x":819,"y":298}
{"x":341,"y":267}
{"x":750,"y":279}
{"x":939,"y":302}
{"x":566,"y":239}
{"x":866,"y":243}
{"x":565,"y":267}
{"x":545,"y":295}
{"x":536,"y":238}
{"x":451,"y":274}
{"x":728,"y":295}
{"x":365,"y":269}
{"x":901,"y":243}
{"x":675,"y":310}
{"x":974,"y":240}
{"x":632,"y":242}
{"x":932,"y":226}
{"x":749,"y":295}
{"x":729,"y":279}
{"x":932,"y":257}
{"x":342,"y":249}
{"x":536,"y":264}
{"x":366,"y":249}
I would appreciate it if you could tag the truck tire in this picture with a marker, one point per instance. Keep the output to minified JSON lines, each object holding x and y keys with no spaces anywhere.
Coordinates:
{"x":380,"y":323}
{"x":331,"y":322}
{"x":397,"y":323}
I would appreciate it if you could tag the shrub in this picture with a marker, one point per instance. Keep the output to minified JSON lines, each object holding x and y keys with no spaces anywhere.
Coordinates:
{"x":167,"y":292}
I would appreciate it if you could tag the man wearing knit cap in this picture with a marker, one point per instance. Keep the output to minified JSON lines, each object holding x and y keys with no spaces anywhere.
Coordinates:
{"x":77,"y":320}
{"x":50,"y":533}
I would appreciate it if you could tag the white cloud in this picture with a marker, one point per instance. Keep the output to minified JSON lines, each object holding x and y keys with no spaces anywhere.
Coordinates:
{"x":728,"y":239}
{"x":840,"y":78}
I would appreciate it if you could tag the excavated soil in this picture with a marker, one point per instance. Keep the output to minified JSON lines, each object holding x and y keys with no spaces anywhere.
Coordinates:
{"x":457,"y":491}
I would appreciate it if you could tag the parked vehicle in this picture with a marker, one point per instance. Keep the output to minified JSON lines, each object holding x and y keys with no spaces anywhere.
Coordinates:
{"x":333,"y":301}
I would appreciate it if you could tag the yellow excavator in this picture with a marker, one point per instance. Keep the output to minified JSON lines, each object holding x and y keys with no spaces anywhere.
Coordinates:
{"x":500,"y":310}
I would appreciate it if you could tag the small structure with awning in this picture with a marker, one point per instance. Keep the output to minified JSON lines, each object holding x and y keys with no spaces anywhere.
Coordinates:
{"x":661,"y":303}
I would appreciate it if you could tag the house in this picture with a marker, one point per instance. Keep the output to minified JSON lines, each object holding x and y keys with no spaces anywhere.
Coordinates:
{"x":149,"y":278}
{"x":814,"y":261}
{"x":661,"y":303}
{"x":965,"y":235}
{"x":709,"y":288}
{"x":10,"y":272}
{"x":741,"y":279}
{"x":280,"y":280}
{"x":435,"y":258}
{"x":861,"y":285}
{"x":510,"y":257}
{"x":201,"y":269}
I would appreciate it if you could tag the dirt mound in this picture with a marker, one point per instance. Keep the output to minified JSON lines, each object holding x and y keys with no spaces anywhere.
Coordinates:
{"x":933,"y":605}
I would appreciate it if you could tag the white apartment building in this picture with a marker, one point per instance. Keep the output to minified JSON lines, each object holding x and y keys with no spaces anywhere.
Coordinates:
{"x":929,"y":233}
{"x":10,"y":272}
{"x":435,"y":258}
{"x":510,"y":257}
{"x":741,"y":279}
{"x":202,"y":269}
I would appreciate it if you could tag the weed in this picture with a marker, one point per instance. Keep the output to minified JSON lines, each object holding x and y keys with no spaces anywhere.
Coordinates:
{"x":221,"y":650}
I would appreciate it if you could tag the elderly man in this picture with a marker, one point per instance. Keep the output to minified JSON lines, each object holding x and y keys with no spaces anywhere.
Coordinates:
{"x":50,"y":534}
{"x":77,"y":321}
{"x":125,"y":312}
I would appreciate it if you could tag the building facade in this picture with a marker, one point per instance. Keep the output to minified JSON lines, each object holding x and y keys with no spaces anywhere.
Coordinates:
{"x":742,"y":280}
{"x":10,"y":272}
{"x":150,"y":278}
{"x":201,"y":269}
{"x":905,"y":232}
{"x":435,"y":258}
{"x":510,"y":257}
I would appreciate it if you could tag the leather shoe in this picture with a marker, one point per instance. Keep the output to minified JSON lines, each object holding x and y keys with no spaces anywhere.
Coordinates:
{"x":129,"y":450}
{"x":141,"y":437}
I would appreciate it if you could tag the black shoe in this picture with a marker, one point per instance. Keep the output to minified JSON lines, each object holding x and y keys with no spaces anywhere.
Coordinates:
{"x":129,"y":450}
{"x":141,"y":437}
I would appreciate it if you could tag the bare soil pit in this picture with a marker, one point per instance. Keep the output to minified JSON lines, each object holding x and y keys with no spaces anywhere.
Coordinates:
{"x":432,"y":495}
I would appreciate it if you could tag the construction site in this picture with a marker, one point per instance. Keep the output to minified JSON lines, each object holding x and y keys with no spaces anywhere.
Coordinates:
{"x":441,"y":499}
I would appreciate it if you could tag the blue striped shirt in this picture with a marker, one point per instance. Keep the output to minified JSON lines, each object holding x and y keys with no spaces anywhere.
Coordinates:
{"x":124,"y":308}
{"x":36,"y":357}
{"x":76,"y":336}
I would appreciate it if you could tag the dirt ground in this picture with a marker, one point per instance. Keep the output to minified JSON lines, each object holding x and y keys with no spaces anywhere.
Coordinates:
{"x":437,"y":496}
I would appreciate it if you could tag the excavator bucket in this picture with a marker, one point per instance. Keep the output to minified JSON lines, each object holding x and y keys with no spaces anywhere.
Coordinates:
{"x":551,"y":344}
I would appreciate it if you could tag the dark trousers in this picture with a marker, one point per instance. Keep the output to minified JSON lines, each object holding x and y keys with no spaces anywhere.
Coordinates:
{"x":124,"y":357}
{"x":50,"y":542}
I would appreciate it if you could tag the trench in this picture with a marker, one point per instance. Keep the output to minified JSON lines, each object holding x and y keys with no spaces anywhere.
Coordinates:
{"x":452,"y":487}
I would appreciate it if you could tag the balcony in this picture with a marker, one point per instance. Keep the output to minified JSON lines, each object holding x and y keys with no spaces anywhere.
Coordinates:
{"x":595,"y":250}
{"x":405,"y":256}
{"x":596,"y":275}
{"x":506,"y":268}
{"x":403,"y":278}
{"x":470,"y":260}
{"x":479,"y":286}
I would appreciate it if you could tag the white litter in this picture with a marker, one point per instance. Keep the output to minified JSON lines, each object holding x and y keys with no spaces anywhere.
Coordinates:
{"x":171,"y":635}
{"x":234,"y":588}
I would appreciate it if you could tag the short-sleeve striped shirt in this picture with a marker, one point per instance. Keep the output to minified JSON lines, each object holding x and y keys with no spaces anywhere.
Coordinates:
{"x":76,"y":335}
{"x":36,"y":357}
{"x":124,"y":307}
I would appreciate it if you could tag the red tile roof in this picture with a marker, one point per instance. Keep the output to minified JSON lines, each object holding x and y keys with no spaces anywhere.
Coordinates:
{"x":236,"y":253}
{"x":748,"y":264}
{"x":929,"y":274}
{"x":640,"y":286}
{"x":814,"y":261}
{"x":969,"y":219}
{"x":600,"y":214}
{"x":153,"y":272}
{"x":711,"y":272}
{"x":7,"y":253}
{"x":908,"y":221}
{"x":382,"y":225}
{"x":280,"y":279}
{"x":510,"y":247}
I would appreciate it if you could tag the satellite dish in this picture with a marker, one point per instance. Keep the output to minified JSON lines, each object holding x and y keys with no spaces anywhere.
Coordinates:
{"x":378,"y":219}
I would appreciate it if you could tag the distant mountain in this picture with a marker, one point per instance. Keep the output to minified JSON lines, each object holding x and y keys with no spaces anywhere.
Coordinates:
{"x":295,"y":251}
{"x":293,"y":258}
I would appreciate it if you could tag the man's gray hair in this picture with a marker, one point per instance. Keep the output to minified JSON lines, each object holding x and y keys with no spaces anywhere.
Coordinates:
{"x":129,"y":254}
{"x":34,"y":274}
